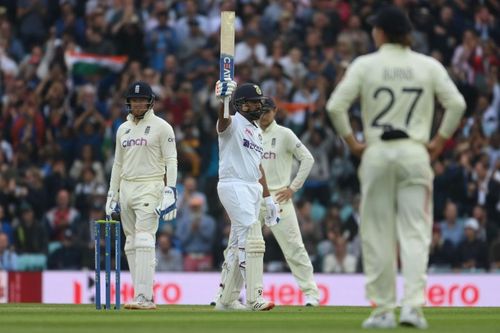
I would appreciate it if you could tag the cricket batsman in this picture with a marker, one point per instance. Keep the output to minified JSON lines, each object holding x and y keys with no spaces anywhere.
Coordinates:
{"x":281,"y":147}
{"x":142,"y":186}
{"x":242,"y":185}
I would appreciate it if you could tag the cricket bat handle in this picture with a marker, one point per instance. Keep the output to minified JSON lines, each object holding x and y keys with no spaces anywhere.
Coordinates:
{"x":226,"y":107}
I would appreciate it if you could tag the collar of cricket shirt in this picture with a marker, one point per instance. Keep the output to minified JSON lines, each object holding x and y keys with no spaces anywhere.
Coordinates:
{"x":271,"y":126}
{"x":248,"y":122}
{"x":148,"y":115}
{"x":393,"y":47}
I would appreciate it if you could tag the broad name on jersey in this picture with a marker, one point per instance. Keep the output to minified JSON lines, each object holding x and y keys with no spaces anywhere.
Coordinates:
{"x":134,"y":142}
{"x":398,"y":73}
{"x":253,"y":146}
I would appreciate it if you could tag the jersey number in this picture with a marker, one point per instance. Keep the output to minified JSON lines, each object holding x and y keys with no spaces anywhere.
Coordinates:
{"x":388,"y":91}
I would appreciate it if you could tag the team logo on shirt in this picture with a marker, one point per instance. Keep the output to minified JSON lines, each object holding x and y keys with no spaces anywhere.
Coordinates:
{"x":248,"y":132}
{"x":134,"y":142}
{"x":127,"y":131}
{"x":273,"y":142}
{"x":253,"y":146}
{"x":146,"y":131}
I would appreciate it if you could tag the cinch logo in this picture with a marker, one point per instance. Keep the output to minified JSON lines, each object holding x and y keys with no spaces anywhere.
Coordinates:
{"x":134,"y":142}
{"x":252,"y":146}
{"x":269,"y":155}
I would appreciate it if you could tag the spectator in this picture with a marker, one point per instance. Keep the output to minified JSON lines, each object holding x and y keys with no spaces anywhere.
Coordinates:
{"x":161,"y":42}
{"x":340,"y":261}
{"x":186,"y":193}
{"x":168,"y":258}
{"x":442,"y":252}
{"x":87,"y":160}
{"x":29,"y":235}
{"x":5,"y":226}
{"x":452,"y":228}
{"x":196,"y":233}
{"x":472,"y":252}
{"x":8,"y":258}
{"x":62,"y":217}
{"x":68,"y":256}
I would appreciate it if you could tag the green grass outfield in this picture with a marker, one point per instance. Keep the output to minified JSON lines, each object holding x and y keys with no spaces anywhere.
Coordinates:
{"x":37,"y":318}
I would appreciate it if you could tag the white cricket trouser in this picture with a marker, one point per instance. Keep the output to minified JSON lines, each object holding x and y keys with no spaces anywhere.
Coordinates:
{"x":241,"y":201}
{"x":287,"y":233}
{"x":137,"y":202}
{"x":396,"y":209}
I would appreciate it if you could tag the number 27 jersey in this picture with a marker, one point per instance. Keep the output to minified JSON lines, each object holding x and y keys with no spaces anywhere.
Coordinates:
{"x":397,"y":87}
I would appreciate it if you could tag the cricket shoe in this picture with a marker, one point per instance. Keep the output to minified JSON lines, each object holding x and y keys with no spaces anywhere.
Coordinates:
{"x":233,"y":306}
{"x":260,"y":305}
{"x":384,"y":319}
{"x":141,"y":303}
{"x":412,"y":317}
{"x":311,"y":301}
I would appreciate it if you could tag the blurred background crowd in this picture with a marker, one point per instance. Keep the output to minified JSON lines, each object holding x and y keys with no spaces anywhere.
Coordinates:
{"x":64,"y":66}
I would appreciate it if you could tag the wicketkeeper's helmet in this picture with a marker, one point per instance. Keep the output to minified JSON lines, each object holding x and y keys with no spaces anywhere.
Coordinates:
{"x":139,"y":89}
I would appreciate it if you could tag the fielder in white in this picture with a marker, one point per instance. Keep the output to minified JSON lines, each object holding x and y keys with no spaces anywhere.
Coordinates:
{"x":242,"y":184}
{"x":281,"y":146}
{"x":142,"y":186}
{"x":396,"y":88}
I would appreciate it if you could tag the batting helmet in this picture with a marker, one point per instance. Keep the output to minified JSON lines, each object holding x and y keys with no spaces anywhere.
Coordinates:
{"x":139,"y":89}
{"x":248,"y":92}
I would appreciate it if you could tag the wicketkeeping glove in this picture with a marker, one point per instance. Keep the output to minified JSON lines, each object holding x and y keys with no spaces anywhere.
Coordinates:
{"x":112,"y":206}
{"x":224,"y":89}
{"x":167,"y":209}
{"x":272,"y":212}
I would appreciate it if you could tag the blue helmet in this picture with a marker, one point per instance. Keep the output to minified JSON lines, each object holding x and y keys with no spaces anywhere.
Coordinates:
{"x":248,"y":92}
{"x":139,"y":89}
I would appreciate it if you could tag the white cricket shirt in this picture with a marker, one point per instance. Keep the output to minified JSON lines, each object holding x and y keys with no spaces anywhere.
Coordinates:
{"x":144,"y":151}
{"x":397,"y":87}
{"x":240,"y":150}
{"x":281,"y":145}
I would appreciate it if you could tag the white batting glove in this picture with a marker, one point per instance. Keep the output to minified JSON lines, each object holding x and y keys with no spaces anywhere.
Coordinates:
{"x":224,"y":89}
{"x":272,"y":212}
{"x":112,"y":206}
{"x":167,"y":209}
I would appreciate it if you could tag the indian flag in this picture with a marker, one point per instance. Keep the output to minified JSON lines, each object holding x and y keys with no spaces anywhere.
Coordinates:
{"x":88,"y":63}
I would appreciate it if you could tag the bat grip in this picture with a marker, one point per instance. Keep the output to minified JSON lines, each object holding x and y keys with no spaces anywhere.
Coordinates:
{"x":226,"y":107}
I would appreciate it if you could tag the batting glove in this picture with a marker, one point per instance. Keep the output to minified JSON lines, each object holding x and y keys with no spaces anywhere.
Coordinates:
{"x":112,"y":206}
{"x":167,"y":209}
{"x":224,"y":89}
{"x":272,"y":212}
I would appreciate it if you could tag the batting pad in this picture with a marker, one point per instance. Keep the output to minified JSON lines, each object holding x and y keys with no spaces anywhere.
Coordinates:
{"x":145,"y":263}
{"x":231,"y":278}
{"x":255,"y":248}
{"x":130,"y":253}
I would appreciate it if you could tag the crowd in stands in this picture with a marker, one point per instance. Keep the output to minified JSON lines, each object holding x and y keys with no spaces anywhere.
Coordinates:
{"x":58,"y":121}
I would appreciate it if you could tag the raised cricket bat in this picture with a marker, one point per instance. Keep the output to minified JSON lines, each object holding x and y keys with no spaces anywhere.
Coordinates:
{"x":226,"y":51}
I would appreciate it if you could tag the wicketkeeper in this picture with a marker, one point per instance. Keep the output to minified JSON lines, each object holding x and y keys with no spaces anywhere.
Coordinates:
{"x":143,"y":182}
